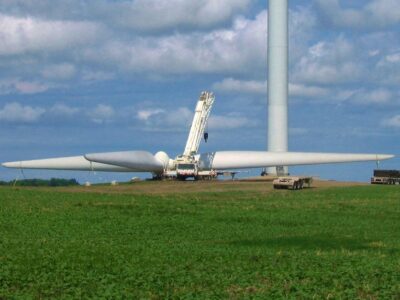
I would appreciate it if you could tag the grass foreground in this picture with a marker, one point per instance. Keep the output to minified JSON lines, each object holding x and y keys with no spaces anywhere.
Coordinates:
{"x":325,"y":243}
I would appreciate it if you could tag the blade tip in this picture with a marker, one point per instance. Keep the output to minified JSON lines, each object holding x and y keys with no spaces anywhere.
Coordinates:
{"x":11,"y":164}
{"x":385,"y":156}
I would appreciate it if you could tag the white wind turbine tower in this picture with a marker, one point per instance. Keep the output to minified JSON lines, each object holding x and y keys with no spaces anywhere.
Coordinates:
{"x":278,"y":55}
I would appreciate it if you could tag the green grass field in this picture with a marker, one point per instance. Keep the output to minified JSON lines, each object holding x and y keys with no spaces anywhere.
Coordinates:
{"x":325,"y":243}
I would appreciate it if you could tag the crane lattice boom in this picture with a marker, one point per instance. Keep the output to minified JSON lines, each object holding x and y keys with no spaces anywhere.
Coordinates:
{"x":202,"y":112}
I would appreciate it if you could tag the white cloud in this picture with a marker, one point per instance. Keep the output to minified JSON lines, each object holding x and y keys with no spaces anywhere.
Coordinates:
{"x":329,"y":62}
{"x":302,"y":24}
{"x":105,"y":54}
{"x":231,"y":121}
{"x":138,"y":15}
{"x":300,"y":90}
{"x":144,"y":115}
{"x":392,"y":122}
{"x":381,"y":96}
{"x":253,"y":87}
{"x":59,"y":71}
{"x":231,"y":85}
{"x":15,"y":112}
{"x":346,"y":95}
{"x":387,"y":69}
{"x":154,"y":15}
{"x":25,"y":87}
{"x":21,"y":35}
{"x":374,"y":15}
{"x":88,"y":75}
{"x":377,"y":96}
{"x":318,"y":50}
{"x":384,"y":12}
{"x":13,"y":85}
{"x":182,"y":117}
{"x":157,"y":119}
{"x":373,"y":53}
{"x":63,"y":110}
{"x":298,"y":131}
{"x":102,"y":114}
{"x":393,"y":58}
{"x":236,"y":50}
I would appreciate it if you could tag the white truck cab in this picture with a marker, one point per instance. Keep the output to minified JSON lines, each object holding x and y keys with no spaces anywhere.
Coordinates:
{"x":186,"y":170}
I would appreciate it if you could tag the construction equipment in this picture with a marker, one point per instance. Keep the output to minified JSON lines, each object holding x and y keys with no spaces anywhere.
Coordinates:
{"x":292,"y":182}
{"x":386,"y":177}
{"x":201,"y":115}
{"x":186,"y":165}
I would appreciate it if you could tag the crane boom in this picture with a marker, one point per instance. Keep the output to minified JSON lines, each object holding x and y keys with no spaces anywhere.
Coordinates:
{"x":201,"y":114}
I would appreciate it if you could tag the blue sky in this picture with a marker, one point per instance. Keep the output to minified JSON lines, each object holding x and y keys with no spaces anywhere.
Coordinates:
{"x":93,"y":76}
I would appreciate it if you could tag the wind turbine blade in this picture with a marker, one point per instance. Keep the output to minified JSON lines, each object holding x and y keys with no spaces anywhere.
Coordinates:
{"x":75,"y":163}
{"x":258,"y":159}
{"x":140,"y":161}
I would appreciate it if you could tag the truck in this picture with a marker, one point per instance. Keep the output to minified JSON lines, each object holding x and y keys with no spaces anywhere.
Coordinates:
{"x":191,"y":170}
{"x":186,"y":170}
{"x":386,"y":177}
{"x":292,"y":182}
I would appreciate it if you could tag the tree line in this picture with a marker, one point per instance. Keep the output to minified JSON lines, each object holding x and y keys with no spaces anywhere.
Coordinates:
{"x":41,"y":182}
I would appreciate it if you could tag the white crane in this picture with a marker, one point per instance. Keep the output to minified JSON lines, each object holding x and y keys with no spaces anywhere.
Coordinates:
{"x":186,"y":165}
{"x":201,"y":115}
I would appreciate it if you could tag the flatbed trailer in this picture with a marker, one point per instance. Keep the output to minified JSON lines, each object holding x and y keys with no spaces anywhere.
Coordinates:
{"x":292,"y":182}
{"x":389,"y":177}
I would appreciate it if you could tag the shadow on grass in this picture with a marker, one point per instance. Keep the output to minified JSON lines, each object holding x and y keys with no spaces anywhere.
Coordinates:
{"x":306,"y":243}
